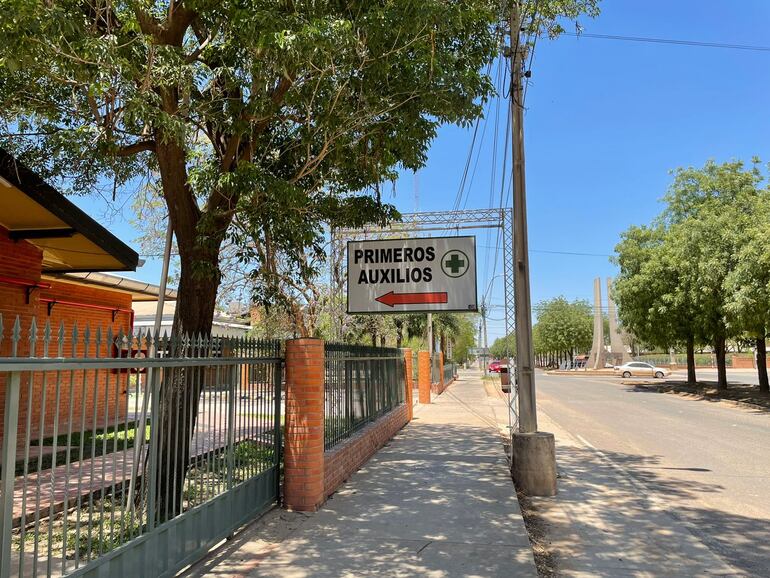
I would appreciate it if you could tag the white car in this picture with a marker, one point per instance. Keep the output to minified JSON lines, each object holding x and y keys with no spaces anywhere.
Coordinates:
{"x":641,"y":369}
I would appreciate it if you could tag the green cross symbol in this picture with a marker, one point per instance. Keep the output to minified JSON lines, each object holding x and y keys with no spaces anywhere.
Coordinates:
{"x":455,"y":266}
{"x":455,"y":263}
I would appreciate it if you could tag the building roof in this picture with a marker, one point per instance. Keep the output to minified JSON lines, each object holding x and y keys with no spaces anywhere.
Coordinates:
{"x":34,"y":211}
{"x":139,"y":290}
{"x":145,"y":316}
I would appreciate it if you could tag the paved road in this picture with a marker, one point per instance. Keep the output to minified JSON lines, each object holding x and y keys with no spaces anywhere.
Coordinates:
{"x":733,"y":375}
{"x":707,"y":463}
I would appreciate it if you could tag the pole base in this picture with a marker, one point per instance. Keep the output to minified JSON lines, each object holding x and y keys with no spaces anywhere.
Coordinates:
{"x":533,"y":463}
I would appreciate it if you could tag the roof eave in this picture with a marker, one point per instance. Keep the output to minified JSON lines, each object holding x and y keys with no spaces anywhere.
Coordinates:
{"x":29,"y":183}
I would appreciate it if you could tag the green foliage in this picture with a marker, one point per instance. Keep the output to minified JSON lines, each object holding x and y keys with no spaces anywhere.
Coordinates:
{"x":748,"y":282}
{"x":652,"y":293}
{"x":503,"y":346}
{"x":464,"y":337}
{"x":257,"y":122}
{"x":563,"y":326}
{"x":697,"y":274}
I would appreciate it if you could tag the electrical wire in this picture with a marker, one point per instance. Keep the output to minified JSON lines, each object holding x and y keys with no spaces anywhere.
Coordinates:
{"x":533,"y":28}
{"x":678,"y":42}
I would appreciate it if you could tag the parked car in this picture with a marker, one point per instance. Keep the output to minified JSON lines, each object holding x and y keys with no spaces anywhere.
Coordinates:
{"x":495,"y":366}
{"x":642,"y":369}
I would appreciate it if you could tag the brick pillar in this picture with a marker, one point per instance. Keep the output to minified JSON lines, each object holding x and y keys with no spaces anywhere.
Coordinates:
{"x":304,"y":438}
{"x":423,"y":376}
{"x":408,"y":368}
{"x":442,"y":385}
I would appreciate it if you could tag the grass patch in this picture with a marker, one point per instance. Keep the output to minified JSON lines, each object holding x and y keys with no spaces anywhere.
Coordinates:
{"x":92,"y":530}
{"x":94,"y":443}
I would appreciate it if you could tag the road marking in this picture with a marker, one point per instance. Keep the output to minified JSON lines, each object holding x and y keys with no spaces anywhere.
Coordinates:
{"x":656,"y":502}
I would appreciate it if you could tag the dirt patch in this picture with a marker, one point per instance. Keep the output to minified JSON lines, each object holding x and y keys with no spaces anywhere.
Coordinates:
{"x":740,"y":394}
{"x":542,"y":548}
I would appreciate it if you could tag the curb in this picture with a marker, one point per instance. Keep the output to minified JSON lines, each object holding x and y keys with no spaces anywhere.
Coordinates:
{"x":701,"y":397}
{"x":581,"y":374}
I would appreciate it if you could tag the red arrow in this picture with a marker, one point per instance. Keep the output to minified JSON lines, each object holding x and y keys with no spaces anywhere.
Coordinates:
{"x":390,"y":299}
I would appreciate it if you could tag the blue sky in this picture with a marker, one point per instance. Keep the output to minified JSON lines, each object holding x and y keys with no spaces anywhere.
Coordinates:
{"x":605,"y":123}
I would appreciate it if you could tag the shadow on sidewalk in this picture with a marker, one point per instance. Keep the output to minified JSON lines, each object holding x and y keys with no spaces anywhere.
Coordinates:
{"x":436,"y":501}
{"x":611,"y":516}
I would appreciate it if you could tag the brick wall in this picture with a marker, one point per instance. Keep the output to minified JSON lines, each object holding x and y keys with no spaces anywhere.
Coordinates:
{"x":311,"y":474}
{"x":347,"y":457}
{"x":21,"y":260}
{"x":440,"y":387}
{"x":746,"y":361}
{"x":101,"y":393}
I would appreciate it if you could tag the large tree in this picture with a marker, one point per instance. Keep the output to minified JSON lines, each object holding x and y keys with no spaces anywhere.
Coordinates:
{"x":256,"y":121}
{"x":674,"y":285}
{"x":707,"y":210}
{"x":654,"y":298}
{"x":748,"y":282}
{"x":564,"y":326}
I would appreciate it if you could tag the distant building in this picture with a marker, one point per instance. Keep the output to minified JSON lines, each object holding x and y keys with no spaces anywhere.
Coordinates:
{"x":223,"y":325}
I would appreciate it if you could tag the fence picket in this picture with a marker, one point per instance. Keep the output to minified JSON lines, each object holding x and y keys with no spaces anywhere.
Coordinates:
{"x":90,"y":481}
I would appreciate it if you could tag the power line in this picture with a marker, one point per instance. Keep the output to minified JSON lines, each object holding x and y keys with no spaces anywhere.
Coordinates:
{"x":572,"y":253}
{"x":531,"y":53}
{"x":678,"y":42}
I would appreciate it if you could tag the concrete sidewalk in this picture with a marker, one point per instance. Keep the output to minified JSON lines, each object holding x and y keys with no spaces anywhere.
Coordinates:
{"x":437,"y":501}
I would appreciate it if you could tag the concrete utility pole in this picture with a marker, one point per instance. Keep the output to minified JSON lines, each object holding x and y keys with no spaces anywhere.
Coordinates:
{"x":533,"y":453}
{"x":163,"y":279}
{"x":430,"y":334}
{"x":484,"y":357}
{"x":525,"y":374}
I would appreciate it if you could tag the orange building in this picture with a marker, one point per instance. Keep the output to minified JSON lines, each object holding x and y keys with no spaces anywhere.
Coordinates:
{"x":44,"y":240}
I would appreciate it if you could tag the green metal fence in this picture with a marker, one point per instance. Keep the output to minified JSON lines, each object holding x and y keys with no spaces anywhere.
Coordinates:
{"x":450,"y":370}
{"x":435,"y":368}
{"x":130,"y":455}
{"x":362,"y":384}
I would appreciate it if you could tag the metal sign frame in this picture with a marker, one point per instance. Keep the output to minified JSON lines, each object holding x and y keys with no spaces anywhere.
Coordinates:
{"x":397,"y":312}
{"x":497,"y":218}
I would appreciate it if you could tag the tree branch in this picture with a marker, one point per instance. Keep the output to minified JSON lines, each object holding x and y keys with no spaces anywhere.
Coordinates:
{"x":134,"y":148}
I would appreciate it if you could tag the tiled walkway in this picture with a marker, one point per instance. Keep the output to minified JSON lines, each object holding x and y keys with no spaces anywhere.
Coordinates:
{"x":50,"y":489}
{"x":438,"y":501}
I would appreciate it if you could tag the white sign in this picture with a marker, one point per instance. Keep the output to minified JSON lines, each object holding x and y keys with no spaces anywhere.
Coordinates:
{"x":407,"y":275}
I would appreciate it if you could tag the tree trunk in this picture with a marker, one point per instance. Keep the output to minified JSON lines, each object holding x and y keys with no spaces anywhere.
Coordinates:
{"x":374,"y":338}
{"x":764,"y":385}
{"x":719,"y":347}
{"x":399,"y":332}
{"x":691,"y":378}
{"x":180,"y":389}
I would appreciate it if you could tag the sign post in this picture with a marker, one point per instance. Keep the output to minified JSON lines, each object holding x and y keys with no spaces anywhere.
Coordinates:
{"x":412,"y":275}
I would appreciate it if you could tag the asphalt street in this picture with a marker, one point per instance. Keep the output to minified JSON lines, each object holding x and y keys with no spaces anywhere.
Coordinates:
{"x":707,"y":463}
{"x":733,"y":375}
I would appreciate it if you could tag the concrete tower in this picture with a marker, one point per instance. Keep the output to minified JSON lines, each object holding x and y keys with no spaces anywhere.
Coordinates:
{"x":598,"y":354}
{"x":618,"y":351}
